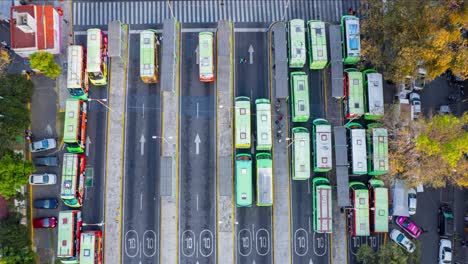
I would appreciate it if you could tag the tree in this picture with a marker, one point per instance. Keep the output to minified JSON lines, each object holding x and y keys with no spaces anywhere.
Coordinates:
{"x":389,"y":253}
{"x":17,"y":86}
{"x":44,"y":62}
{"x":4,"y":59}
{"x":14,"y":173}
{"x":400,"y":36}
{"x":14,"y":239}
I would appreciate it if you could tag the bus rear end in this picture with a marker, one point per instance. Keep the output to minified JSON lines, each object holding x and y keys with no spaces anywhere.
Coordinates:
{"x":205,"y":56}
{"x":69,"y":235}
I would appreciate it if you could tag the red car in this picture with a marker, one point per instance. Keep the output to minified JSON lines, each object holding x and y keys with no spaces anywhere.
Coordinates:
{"x":409,"y":226}
{"x":45,"y":222}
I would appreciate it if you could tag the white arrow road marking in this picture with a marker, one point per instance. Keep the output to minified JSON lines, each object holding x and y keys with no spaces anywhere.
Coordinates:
{"x":197,"y":110}
{"x":142,"y":143}
{"x":196,"y":54}
{"x":197,"y":144}
{"x":251,"y":51}
{"x":88,"y":143}
{"x":197,"y":202}
{"x":143,"y":111}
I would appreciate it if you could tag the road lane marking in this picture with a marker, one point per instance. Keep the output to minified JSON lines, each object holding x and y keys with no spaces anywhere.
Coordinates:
{"x":197,"y":202}
{"x":197,"y":108}
{"x":142,"y":144}
{"x":251,"y":51}
{"x":206,"y":243}
{"x":88,"y":143}
{"x":197,"y":144}
{"x":141,"y":201}
{"x":143,"y":111}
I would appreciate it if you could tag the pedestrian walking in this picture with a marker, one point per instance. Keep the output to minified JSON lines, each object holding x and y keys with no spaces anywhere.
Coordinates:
{"x":280,"y":117}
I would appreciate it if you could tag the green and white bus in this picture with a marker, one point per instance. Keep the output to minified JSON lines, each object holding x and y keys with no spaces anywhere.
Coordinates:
{"x":353,"y":94}
{"x":69,"y":235}
{"x":322,"y":205}
{"x":374,"y":100}
{"x":318,"y":56}
{"x":96,"y":56}
{"x":91,"y":247}
{"x":149,"y":51}
{"x":242,"y":125}
{"x":300,"y":166}
{"x":377,"y":142}
{"x":300,"y":97}
{"x":264,"y":179}
{"x":322,"y":145}
{"x":296,"y":43}
{"x":358,"y":151}
{"x":350,"y":36}
{"x":74,"y":135}
{"x":244,"y":186}
{"x":77,"y":81}
{"x":73,"y":179}
{"x":264,"y":140}
{"x":379,"y":206}
{"x":205,"y":56}
{"x":359,"y":221}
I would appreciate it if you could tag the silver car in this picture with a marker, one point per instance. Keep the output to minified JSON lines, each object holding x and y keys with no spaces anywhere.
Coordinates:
{"x":42,"y":179}
{"x":399,"y":238}
{"x":445,"y":251}
{"x":43,"y":145}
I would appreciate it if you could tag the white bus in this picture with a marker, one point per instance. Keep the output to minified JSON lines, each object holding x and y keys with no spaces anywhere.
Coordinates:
{"x":357,"y":138}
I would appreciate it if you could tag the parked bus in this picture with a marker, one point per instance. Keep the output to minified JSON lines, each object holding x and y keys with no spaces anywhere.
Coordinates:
{"x":322,"y":145}
{"x":377,"y":142}
{"x":242,"y":119}
{"x":373,"y":86}
{"x":264,"y":179}
{"x":351,"y":39}
{"x":73,"y":179}
{"x":318,"y":56}
{"x":296,"y":43}
{"x":322,"y":205}
{"x":74,"y":135}
{"x":359,"y":221}
{"x":69,"y":235}
{"x":149,"y":51}
{"x":263,"y":107}
{"x":358,"y":151}
{"x":77,"y":81}
{"x":91,"y":247}
{"x":300,"y":97}
{"x":96,"y":57}
{"x":244,"y":180}
{"x":353,"y":94}
{"x":378,"y":206}
{"x":205,"y":56}
{"x":300,"y":165}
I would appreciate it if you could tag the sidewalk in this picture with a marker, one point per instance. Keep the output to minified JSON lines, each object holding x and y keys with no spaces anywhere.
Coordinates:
{"x":224,"y":158}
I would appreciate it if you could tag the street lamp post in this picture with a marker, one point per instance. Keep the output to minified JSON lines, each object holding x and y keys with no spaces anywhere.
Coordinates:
{"x":97,"y":224}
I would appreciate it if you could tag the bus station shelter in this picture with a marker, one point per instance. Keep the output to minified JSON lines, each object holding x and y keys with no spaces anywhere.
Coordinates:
{"x":336,"y":59}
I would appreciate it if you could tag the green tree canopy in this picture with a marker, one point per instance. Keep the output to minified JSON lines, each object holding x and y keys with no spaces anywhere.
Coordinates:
{"x":389,"y":253}
{"x":399,"y":36}
{"x":44,"y":62}
{"x":14,"y":238}
{"x":16,"y":86}
{"x":14,"y":173}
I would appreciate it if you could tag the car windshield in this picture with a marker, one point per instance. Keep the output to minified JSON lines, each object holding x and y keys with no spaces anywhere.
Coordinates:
{"x":45,"y":144}
{"x":406,"y":223}
{"x":400,"y":238}
{"x":45,"y":178}
{"x":46,"y":222}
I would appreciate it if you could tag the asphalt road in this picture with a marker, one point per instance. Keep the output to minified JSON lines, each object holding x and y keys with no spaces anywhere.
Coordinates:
{"x":93,"y":206}
{"x":308,"y":246}
{"x":142,"y":165}
{"x":253,"y":224}
{"x":197,"y":175}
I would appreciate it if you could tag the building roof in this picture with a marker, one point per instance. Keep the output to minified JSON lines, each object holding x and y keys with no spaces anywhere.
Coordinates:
{"x":42,"y":35}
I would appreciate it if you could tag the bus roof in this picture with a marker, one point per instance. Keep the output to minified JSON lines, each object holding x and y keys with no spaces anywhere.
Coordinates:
{"x":263,"y":124}
{"x":66,"y":225}
{"x":244,"y":180}
{"x":301,"y":153}
{"x":318,"y":43}
{"x":323,"y":147}
{"x":355,"y":93}
{"x":206,"y":52}
{"x":361,"y":210}
{"x":147,"y":52}
{"x":352,"y":38}
{"x":69,"y":176}
{"x":358,"y":151}
{"x":72,"y":115}
{"x":88,"y":248}
{"x":381,"y":209}
{"x":75,"y":67}
{"x":242,"y":122}
{"x":93,"y":55}
{"x":323,"y":198}
{"x":297,"y":43}
{"x":300,"y":92}
{"x":264,"y":179}
{"x":375,"y":99}
{"x":379,"y":143}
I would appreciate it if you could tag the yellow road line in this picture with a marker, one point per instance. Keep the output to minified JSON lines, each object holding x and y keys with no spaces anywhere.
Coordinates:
{"x":346,"y":236}
{"x":231,"y":91}
{"x":324,"y":77}
{"x":177,"y":142}
{"x":30,"y":188}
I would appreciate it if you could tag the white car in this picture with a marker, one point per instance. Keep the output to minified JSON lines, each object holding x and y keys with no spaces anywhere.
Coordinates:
{"x":42,"y":179}
{"x":399,"y":238}
{"x":43,"y":145}
{"x":445,"y":251}
{"x":415,"y":100}
{"x":412,"y":201}
{"x":420,"y":80}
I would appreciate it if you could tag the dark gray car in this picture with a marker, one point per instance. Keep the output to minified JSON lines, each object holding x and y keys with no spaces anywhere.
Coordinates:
{"x":46,"y":161}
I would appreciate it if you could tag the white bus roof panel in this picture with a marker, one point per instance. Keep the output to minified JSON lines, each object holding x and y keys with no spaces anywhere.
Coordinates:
{"x":75,"y":67}
{"x":323,"y":153}
{"x":358,"y":151}
{"x":324,"y":195}
{"x":265,"y":186}
{"x":375,"y":94}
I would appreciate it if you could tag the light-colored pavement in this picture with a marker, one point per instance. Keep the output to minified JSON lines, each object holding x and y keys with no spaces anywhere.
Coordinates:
{"x":224,"y":142}
{"x":66,"y":38}
{"x":115,"y":156}
{"x":169,"y":137}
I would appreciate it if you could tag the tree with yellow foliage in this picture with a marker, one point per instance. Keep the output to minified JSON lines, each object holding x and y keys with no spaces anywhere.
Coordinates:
{"x":400,"y":36}
{"x":4,"y":59}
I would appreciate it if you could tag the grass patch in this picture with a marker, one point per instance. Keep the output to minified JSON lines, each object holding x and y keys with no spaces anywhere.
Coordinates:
{"x":59,"y":123}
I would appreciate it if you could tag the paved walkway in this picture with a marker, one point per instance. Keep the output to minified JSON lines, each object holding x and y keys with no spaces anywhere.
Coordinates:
{"x":115,"y":157}
{"x":224,"y":159}
{"x":169,"y":137}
